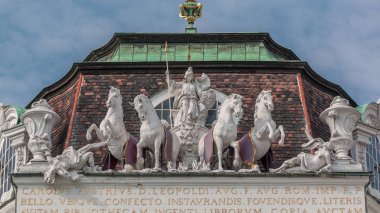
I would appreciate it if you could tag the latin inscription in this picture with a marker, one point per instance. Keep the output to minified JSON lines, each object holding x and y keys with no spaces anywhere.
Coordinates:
{"x":191,"y":199}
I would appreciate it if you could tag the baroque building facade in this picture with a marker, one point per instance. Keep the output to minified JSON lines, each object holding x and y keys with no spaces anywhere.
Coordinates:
{"x":241,"y":63}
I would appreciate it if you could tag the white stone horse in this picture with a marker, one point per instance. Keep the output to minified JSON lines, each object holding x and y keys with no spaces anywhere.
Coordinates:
{"x":112,"y":132}
{"x":154,"y":133}
{"x":224,"y":133}
{"x":256,"y":144}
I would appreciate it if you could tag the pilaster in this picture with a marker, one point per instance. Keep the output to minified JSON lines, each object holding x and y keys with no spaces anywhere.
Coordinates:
{"x":362,"y":135}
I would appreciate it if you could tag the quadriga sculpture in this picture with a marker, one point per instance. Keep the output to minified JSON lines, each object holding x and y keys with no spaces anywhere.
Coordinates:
{"x":154,"y":133}
{"x":256,"y":144}
{"x":224,"y":133}
{"x":112,"y":133}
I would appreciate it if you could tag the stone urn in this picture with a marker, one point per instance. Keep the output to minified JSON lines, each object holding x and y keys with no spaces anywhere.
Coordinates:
{"x":39,"y":122}
{"x":341,"y":119}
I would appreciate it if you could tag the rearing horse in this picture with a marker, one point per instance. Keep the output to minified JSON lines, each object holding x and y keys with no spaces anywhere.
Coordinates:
{"x":256,"y":144}
{"x":224,"y":133}
{"x":154,"y":133}
{"x":112,"y":133}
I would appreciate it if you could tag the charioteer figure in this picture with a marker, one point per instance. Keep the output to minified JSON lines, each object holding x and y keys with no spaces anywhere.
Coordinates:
{"x":189,"y":97}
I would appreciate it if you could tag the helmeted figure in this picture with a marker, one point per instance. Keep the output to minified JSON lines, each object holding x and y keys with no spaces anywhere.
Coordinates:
{"x":188,"y":99}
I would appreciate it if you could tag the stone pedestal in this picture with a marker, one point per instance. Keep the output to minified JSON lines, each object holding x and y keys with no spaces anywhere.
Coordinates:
{"x":191,"y":30}
{"x":35,"y":167}
{"x":345,"y":166}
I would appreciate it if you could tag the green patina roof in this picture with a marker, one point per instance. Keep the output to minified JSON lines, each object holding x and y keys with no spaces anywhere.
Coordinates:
{"x":19,"y":111}
{"x":144,"y":52}
{"x":361,"y":108}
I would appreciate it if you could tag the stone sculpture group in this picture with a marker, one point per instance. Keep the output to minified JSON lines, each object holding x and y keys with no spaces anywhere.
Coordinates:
{"x":189,"y":146}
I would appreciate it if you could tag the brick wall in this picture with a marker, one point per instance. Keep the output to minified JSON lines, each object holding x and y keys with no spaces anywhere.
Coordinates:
{"x":288,"y":109}
{"x":317,"y":100}
{"x":62,"y":104}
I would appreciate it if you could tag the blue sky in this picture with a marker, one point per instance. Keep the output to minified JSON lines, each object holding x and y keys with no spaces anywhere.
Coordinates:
{"x":40,"y":39}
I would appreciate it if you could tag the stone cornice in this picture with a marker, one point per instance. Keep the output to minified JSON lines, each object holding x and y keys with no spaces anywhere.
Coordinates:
{"x":363,"y":132}
{"x":209,"y":178}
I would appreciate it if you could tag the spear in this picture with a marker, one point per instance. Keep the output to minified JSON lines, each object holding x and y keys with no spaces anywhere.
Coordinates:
{"x":168,"y":80}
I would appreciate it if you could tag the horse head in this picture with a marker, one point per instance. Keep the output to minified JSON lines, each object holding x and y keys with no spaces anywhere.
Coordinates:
{"x":114,"y":97}
{"x":265,"y":99}
{"x":235,"y":102}
{"x":140,"y":103}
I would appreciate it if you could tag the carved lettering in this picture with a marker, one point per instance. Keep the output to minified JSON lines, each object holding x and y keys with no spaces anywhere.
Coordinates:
{"x":226,"y":190}
{"x":39,"y":211}
{"x":267,"y":190}
{"x":192,"y":199}
{"x":326,"y":190}
{"x":297,"y":190}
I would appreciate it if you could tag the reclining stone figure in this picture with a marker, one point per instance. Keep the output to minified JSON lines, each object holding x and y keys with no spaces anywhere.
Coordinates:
{"x":319,"y":161}
{"x":70,"y":164}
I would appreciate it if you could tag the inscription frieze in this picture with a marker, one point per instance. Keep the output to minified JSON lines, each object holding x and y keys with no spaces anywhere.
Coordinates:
{"x":195,"y":198}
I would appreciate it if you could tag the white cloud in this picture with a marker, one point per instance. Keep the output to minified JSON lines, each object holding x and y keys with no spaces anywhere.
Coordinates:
{"x":339,"y":39}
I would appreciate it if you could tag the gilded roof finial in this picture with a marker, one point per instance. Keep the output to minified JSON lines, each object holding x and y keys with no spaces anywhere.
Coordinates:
{"x":190,"y":11}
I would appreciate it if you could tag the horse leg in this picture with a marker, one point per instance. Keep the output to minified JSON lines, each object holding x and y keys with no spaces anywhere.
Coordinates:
{"x":235,"y":145}
{"x":201,"y":149}
{"x":157,"y":149}
{"x":113,"y":131}
{"x":88,"y":133}
{"x":280,"y":132}
{"x":175,"y":151}
{"x":219,"y":147}
{"x":261,"y":131}
{"x":140,"y":159}
{"x":98,"y":132}
{"x":271,"y":131}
